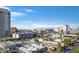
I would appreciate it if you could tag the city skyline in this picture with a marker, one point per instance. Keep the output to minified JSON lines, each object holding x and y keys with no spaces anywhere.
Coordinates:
{"x":30,"y":17}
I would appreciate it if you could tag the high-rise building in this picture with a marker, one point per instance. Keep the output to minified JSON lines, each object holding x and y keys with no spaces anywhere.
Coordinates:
{"x":4,"y":23}
{"x":67,"y":29}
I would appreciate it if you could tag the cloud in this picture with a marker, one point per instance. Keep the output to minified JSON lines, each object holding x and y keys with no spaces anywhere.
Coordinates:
{"x":22,"y":26}
{"x":29,"y":10}
{"x":26,"y":25}
{"x":45,"y":25}
{"x":5,"y":7}
{"x":15,"y":14}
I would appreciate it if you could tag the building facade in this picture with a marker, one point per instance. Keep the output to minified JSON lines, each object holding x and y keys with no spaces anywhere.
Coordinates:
{"x":4,"y":23}
{"x":24,"y":35}
{"x":13,"y":30}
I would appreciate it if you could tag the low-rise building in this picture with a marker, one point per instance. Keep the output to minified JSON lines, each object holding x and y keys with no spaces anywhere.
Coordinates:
{"x":32,"y":48}
{"x":24,"y":35}
{"x":13,"y":30}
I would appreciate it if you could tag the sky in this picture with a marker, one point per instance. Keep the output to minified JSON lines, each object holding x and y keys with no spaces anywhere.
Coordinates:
{"x":31,"y":17}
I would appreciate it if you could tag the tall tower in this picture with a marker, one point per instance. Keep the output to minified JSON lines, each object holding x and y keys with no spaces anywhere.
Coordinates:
{"x":67,"y":29}
{"x":4,"y":23}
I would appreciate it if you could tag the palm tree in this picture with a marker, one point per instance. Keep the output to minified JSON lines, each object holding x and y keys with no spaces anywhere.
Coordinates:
{"x":61,"y":34}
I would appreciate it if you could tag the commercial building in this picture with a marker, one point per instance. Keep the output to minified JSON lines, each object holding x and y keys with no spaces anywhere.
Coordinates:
{"x":21,"y":47}
{"x":4,"y":23}
{"x":13,"y":30}
{"x":67,"y":29}
{"x":32,"y":48}
{"x":24,"y":35}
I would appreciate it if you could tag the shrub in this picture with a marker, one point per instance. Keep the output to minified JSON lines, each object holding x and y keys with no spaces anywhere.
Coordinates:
{"x":59,"y":48}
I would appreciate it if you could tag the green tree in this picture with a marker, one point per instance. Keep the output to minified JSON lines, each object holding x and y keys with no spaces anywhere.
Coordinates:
{"x":48,"y":36}
{"x":36,"y":41}
{"x":67,"y":42}
{"x":1,"y":50}
{"x":59,"y":48}
{"x":76,"y":49}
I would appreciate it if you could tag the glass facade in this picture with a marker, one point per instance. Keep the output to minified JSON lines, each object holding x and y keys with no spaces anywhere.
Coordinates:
{"x":4,"y":23}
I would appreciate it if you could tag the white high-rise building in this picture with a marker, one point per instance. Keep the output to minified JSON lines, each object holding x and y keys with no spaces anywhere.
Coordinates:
{"x":4,"y":23}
